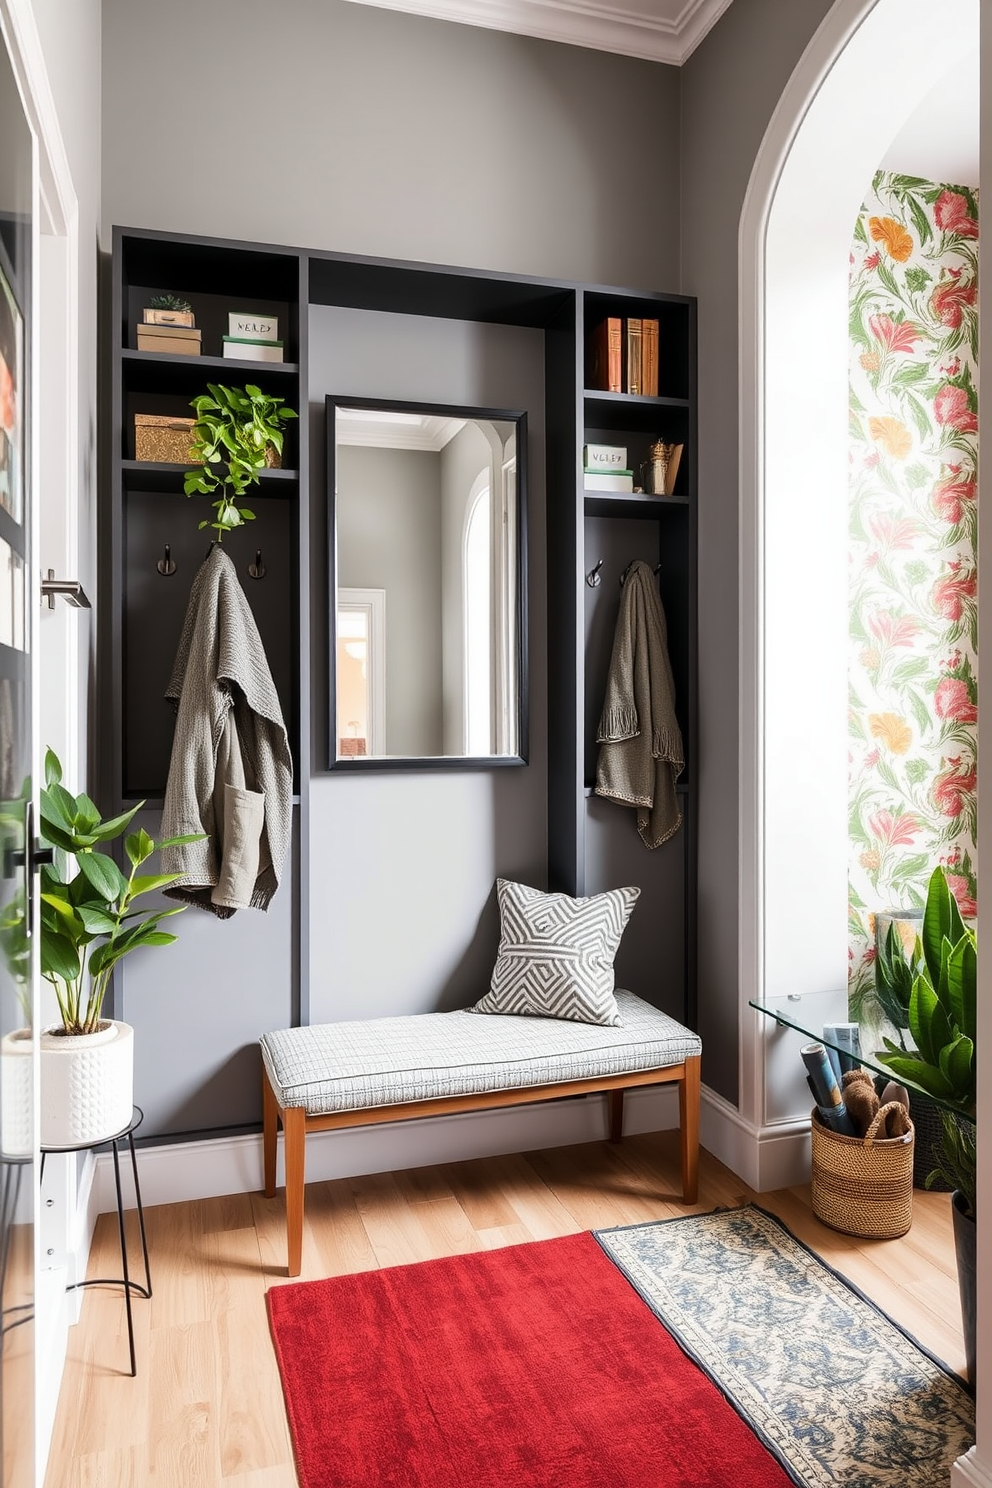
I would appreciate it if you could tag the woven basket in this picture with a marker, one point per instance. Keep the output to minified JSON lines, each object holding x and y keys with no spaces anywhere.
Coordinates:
{"x":863,"y":1185}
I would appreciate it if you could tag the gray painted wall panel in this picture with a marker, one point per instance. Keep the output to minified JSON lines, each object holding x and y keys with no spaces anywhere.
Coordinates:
{"x":730,"y":85}
{"x":404,"y":137}
{"x":199,"y":1006}
{"x":396,"y":136}
{"x":404,"y":863}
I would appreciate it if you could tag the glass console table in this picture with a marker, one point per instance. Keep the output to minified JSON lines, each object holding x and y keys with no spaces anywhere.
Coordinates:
{"x":868,"y":1061}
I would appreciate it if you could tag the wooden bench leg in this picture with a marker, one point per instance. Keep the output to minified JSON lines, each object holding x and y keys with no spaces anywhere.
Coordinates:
{"x":689,"y":1122}
{"x":616,"y":1115}
{"x":270,"y":1133}
{"x":294,"y":1125}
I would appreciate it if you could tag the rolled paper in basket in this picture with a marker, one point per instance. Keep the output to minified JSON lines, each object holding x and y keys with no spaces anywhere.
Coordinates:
{"x":826,"y":1091}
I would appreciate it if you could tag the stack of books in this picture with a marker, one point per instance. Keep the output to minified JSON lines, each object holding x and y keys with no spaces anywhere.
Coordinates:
{"x":624,"y":356}
{"x":605,"y":468}
{"x":252,"y":338}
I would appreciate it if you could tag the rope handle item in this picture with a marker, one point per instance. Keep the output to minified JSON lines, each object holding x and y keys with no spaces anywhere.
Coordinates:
{"x":871,"y":1135}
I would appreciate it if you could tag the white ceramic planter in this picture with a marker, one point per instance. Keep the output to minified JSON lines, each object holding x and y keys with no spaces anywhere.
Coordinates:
{"x":16,"y":1105}
{"x":87,"y":1084}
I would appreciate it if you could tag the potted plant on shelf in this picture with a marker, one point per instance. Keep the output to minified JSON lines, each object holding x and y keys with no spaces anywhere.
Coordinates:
{"x":88,"y":924}
{"x":238,"y":432}
{"x":942,"y":1021}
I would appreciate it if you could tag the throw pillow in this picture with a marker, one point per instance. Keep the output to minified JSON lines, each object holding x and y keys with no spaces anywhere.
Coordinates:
{"x":555,"y":957}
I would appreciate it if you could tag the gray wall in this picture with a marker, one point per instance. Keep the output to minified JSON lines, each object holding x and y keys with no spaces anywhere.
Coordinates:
{"x":396,"y":136}
{"x":376,"y":132}
{"x":389,"y":537}
{"x":406,"y":137}
{"x":403,"y":864}
{"x":730,"y":86}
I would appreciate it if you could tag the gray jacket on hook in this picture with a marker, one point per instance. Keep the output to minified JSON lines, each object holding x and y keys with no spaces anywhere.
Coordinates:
{"x":231,"y":774}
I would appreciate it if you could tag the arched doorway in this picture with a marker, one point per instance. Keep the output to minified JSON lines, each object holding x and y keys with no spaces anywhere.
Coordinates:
{"x":826,"y":139}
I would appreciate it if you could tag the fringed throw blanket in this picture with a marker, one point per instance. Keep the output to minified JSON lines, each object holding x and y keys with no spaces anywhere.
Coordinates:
{"x":231,"y":775}
{"x":640,"y":756}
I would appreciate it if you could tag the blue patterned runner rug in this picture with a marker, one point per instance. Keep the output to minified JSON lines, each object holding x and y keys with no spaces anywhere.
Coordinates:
{"x":834,"y":1388}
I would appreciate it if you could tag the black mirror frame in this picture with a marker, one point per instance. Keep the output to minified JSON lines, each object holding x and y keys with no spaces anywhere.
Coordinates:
{"x":362,"y":764}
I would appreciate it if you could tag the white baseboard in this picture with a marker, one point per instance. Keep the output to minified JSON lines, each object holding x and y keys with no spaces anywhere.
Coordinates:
{"x":971,"y":1471}
{"x":766,"y":1157}
{"x":224,"y":1165}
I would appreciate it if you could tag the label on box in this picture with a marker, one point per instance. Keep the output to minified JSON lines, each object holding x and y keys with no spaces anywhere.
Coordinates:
{"x":249,"y":326}
{"x":604,"y":457}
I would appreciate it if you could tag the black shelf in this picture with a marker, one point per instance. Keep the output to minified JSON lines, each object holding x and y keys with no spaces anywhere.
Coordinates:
{"x":630,"y":412}
{"x":631,"y":504}
{"x":156,"y":476}
{"x":169,"y":360}
{"x":632,"y":400}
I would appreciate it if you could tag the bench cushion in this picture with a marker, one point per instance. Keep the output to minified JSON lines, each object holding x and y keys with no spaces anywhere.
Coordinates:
{"x":358,"y":1065}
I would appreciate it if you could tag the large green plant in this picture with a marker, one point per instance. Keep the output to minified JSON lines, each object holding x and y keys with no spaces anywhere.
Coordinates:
{"x":233,"y":432}
{"x":88,"y":918}
{"x":942,"y":1015}
{"x":894,"y":977}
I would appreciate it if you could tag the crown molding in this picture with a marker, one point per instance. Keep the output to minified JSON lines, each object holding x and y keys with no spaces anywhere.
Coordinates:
{"x":635,"y":32}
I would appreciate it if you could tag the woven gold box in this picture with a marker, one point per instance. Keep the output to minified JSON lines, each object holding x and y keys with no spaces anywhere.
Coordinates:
{"x":163,"y":437}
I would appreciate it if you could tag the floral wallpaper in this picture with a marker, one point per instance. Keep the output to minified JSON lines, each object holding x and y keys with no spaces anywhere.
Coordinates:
{"x":913,"y":589}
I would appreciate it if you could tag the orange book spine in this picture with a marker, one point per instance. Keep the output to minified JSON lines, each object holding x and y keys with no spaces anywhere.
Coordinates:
{"x":649,"y":358}
{"x":634,"y":354}
{"x":606,"y":362}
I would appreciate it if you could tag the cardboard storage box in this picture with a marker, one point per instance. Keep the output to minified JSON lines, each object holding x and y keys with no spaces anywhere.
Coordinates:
{"x":177,"y":340}
{"x":167,"y":317}
{"x":162,"y":437}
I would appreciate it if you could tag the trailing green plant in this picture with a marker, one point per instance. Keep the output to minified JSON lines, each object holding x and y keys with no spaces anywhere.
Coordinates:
{"x":942,"y":1019}
{"x":233,"y":432}
{"x":88,"y":918}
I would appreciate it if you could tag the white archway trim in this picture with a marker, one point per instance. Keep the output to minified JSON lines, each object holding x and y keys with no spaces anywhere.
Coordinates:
{"x":814,"y":130}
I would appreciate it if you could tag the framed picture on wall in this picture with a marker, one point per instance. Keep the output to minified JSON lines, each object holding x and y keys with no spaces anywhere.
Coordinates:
{"x":11,"y":400}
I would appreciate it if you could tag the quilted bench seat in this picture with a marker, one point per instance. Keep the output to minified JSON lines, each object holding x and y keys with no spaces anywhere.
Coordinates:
{"x":333,"y":1075}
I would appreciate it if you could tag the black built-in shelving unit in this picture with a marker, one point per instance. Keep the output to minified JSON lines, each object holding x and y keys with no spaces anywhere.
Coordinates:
{"x":587,"y":839}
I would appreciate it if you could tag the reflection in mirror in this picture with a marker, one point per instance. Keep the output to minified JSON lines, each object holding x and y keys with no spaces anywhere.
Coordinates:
{"x":427,"y":556}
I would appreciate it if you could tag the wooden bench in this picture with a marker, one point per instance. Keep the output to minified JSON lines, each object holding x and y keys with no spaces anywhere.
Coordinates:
{"x":333,"y":1075}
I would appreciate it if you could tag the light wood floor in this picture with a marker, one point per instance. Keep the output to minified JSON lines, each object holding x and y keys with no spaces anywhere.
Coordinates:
{"x":206,"y":1408}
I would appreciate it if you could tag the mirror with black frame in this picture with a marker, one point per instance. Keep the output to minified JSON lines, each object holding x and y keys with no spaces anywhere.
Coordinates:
{"x":427,"y":525}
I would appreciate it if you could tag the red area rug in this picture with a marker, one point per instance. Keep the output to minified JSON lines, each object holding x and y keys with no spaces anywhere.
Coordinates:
{"x":537,"y":1366}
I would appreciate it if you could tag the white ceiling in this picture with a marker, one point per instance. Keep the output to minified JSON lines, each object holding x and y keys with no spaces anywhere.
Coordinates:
{"x":658,"y":30}
{"x":940,"y":140}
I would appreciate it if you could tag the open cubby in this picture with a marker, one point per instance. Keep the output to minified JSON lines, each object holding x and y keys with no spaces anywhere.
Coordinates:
{"x":149,"y":509}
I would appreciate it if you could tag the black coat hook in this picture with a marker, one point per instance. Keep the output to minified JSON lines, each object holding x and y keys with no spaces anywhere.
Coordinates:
{"x":623,"y":576}
{"x":257,"y":569}
{"x":165,"y":565}
{"x":594,"y":578}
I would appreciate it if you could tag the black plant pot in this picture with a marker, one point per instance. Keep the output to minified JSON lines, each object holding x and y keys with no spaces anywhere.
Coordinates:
{"x":965,"y":1231}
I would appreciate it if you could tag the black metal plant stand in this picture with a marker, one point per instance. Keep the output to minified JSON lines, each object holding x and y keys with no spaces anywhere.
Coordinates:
{"x":137,"y":1116}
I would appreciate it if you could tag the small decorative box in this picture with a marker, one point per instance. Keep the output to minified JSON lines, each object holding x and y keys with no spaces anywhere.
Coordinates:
{"x":174,"y":339}
{"x":162,"y":437}
{"x":167,"y":317}
{"x":243,"y":325}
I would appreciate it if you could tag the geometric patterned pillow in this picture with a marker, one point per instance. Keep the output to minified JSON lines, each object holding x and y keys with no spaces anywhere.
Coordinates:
{"x":555,"y":957}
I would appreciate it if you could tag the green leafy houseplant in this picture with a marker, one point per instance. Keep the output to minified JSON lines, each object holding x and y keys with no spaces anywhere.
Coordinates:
{"x":941,"y":1018}
{"x":234,"y":430}
{"x":88,"y":918}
